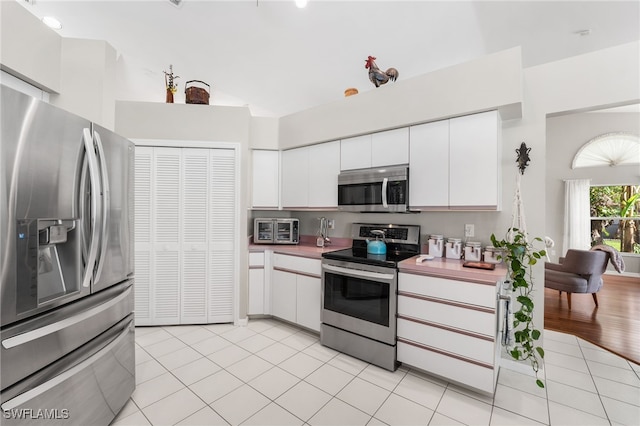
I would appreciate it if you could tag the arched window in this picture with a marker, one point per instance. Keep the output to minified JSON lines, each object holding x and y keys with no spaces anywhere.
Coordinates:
{"x":610,"y":149}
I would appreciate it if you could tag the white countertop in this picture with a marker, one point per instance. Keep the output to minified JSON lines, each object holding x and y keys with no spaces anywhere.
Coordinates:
{"x":306,"y":248}
{"x":453,"y":269}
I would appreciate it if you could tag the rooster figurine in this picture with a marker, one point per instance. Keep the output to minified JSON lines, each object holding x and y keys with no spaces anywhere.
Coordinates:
{"x":376,"y":75}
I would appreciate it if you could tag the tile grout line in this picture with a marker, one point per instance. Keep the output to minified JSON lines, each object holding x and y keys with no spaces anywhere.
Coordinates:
{"x":333,"y":395}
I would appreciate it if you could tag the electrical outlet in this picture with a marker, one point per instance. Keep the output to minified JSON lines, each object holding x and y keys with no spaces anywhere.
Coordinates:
{"x":331,"y":223}
{"x":469,"y":230}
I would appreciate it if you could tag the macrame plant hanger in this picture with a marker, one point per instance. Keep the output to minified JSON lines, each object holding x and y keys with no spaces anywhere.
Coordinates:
{"x":518,"y":219}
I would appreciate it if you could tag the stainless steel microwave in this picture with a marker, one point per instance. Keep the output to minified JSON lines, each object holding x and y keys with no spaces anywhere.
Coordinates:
{"x":384,"y":189}
{"x":275,"y":231}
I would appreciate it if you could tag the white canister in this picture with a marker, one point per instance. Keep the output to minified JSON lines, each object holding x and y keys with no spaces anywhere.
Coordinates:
{"x":491,"y":254}
{"x":436,"y":245}
{"x":473,"y":251}
{"x":453,"y":248}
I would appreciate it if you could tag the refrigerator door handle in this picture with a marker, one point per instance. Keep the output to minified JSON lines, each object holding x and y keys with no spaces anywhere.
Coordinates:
{"x":38,"y":333}
{"x":95,"y":205}
{"x":38,"y":390}
{"x":82,"y":210}
{"x":104,"y":233}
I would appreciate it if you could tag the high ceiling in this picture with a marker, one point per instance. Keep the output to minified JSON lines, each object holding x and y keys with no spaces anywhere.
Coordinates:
{"x":279,"y":59}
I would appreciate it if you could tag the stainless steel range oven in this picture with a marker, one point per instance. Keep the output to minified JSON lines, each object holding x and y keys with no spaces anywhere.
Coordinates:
{"x":359,"y":294}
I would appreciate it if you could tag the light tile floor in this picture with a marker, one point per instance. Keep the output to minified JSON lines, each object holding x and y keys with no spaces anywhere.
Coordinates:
{"x":271,"y":373}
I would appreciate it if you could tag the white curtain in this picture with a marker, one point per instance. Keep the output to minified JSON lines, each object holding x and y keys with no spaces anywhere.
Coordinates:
{"x":577,"y":222}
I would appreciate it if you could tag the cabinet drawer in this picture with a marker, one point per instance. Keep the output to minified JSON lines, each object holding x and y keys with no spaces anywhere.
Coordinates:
{"x":442,"y":288}
{"x":302,"y":265}
{"x":447,"y":367}
{"x":256,"y":259}
{"x":471,"y":319}
{"x":458,"y":343}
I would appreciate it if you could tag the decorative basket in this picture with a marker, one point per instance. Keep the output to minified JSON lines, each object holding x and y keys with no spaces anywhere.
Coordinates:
{"x":196,"y":93}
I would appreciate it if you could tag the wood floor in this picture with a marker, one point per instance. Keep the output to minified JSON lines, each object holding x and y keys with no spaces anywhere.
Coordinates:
{"x":614,"y":325}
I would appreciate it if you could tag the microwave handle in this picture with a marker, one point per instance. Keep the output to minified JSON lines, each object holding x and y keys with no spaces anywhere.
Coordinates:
{"x":385,"y":181}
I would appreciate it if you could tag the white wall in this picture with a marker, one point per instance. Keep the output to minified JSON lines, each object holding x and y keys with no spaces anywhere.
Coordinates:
{"x":490,"y":82}
{"x":79,"y":74}
{"x":600,"y":79}
{"x":566,"y":134}
{"x":191,"y":122}
{"x":29,"y":49}
{"x":264,"y":133}
{"x":88,"y":80}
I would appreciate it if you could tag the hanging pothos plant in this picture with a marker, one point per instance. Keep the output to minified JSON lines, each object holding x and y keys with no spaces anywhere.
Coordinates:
{"x":520,"y":256}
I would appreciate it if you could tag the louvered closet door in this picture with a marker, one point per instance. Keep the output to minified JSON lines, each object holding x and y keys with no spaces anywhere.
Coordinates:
{"x":185,"y":211}
{"x":222,"y":225}
{"x":195,"y":235}
{"x":142,"y":203}
{"x":166,"y":244}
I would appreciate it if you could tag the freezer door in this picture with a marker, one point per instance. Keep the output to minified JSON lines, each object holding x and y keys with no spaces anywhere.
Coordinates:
{"x":115,"y":156}
{"x":40,"y":249}
{"x":33,"y":344}
{"x":87,"y":387}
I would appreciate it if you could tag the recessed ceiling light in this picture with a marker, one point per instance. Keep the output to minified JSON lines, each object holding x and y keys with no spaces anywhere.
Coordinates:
{"x":301,"y":3}
{"x":52,"y":22}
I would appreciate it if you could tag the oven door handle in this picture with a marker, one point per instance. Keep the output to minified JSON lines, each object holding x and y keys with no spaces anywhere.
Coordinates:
{"x":378,"y":276}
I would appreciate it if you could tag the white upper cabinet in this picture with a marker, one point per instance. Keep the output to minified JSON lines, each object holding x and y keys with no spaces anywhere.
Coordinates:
{"x":429,"y":166}
{"x":355,"y":153}
{"x":455,"y":164}
{"x":474,"y":152}
{"x":295,"y":177}
{"x":310,"y":176}
{"x":324,"y":167}
{"x":375,"y":150}
{"x":390,"y":147}
{"x":265,"y":179}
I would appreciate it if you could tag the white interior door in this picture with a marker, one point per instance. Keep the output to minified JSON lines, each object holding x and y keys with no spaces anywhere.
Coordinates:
{"x":166,"y":242}
{"x":186,"y":229}
{"x":143,"y":230}
{"x":222,"y":226}
{"x":195,"y":235}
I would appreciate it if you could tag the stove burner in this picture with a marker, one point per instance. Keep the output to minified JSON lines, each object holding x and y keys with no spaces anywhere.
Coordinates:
{"x":403,"y":242}
{"x":357,"y":255}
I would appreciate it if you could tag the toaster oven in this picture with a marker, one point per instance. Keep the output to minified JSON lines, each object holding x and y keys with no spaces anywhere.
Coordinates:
{"x":275,"y":231}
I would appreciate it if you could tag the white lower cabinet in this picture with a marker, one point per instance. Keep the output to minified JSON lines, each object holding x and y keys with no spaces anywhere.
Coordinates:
{"x":308,"y":302}
{"x":448,"y":367}
{"x":283,"y":295}
{"x":448,"y":328}
{"x":258,"y":295}
{"x":295,"y":290}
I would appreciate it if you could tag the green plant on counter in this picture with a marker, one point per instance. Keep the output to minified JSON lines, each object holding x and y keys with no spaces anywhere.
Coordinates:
{"x":520,"y":256}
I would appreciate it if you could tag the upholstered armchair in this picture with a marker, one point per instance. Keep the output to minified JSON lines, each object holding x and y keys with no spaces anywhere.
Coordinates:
{"x":580,"y":271}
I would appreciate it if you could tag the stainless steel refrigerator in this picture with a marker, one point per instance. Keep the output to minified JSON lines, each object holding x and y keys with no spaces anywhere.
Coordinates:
{"x":66,"y":263}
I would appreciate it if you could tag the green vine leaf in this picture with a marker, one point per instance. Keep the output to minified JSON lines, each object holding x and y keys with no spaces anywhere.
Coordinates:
{"x":520,"y":256}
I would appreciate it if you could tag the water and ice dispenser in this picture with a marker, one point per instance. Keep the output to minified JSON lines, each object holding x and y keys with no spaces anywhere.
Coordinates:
{"x":47,"y":252}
